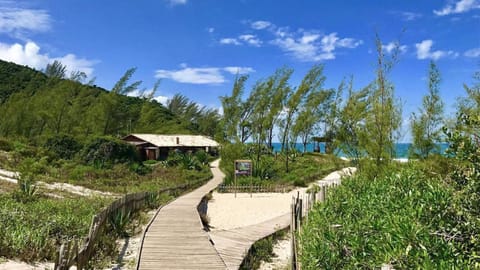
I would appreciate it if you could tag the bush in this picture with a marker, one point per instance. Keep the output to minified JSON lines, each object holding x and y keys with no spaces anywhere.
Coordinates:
{"x":140,"y":169}
{"x":63,"y":146}
{"x":403,"y":218}
{"x":5,"y":145}
{"x":27,"y":189}
{"x":185,"y":160}
{"x":202,"y":157}
{"x":104,"y":152}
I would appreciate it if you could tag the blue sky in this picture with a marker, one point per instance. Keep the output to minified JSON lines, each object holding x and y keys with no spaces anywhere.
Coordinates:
{"x":197,"y":46}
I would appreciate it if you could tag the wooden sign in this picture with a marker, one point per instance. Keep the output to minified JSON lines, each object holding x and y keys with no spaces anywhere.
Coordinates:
{"x":243,"y":167}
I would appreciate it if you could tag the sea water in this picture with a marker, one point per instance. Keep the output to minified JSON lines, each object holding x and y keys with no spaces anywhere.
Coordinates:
{"x":401,"y":149}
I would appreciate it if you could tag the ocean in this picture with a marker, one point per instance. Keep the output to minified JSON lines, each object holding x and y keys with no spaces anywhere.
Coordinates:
{"x":401,"y":149}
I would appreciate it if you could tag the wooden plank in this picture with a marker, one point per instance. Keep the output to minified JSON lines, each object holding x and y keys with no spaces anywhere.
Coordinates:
{"x":176,"y":240}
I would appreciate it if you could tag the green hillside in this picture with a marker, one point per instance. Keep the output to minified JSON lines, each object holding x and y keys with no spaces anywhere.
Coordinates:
{"x":34,"y":105}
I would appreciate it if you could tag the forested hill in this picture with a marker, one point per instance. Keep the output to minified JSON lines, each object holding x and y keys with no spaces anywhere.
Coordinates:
{"x":34,"y":104}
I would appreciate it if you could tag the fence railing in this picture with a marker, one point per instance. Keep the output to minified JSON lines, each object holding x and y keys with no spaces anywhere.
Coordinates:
{"x":79,"y":253}
{"x":301,"y":206}
{"x":254,"y":188}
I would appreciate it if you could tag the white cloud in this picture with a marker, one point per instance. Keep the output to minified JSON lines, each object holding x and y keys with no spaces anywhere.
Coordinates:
{"x":259,"y":25}
{"x":475,"y":52}
{"x":392,"y":45}
{"x":141,"y":93}
{"x":16,"y":21}
{"x":162,"y":99}
{"x":229,"y":41}
{"x":177,"y":2}
{"x":210,"y":30}
{"x":250,"y":40}
{"x":220,"y":110}
{"x":424,"y":51}
{"x":310,"y":47}
{"x":30,"y":55}
{"x":136,"y":93}
{"x":409,"y":16}
{"x":239,"y":70}
{"x":461,"y":6}
{"x":207,"y":75}
{"x":247,"y":39}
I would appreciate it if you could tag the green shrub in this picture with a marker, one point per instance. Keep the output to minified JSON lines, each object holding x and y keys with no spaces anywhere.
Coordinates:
{"x":27,"y":189}
{"x":6,"y":145}
{"x":63,"y":146}
{"x":118,"y":222}
{"x":262,"y":250}
{"x":403,"y":218}
{"x":184,"y":160}
{"x":202,"y":157}
{"x":104,"y":152}
{"x":140,"y":169}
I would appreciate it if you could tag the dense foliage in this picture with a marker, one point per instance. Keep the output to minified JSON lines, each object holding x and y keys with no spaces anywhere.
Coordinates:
{"x":41,"y":105}
{"x":403,"y":218}
{"x":425,"y":215}
{"x":104,"y":152}
{"x":63,"y":146}
{"x":269,"y":170}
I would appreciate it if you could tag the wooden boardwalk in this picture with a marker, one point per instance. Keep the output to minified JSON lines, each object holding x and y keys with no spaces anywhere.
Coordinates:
{"x":176,"y":239}
{"x":233,"y":245}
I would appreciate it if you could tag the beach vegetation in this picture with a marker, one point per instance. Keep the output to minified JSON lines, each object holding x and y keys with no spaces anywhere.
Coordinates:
{"x":427,"y":125}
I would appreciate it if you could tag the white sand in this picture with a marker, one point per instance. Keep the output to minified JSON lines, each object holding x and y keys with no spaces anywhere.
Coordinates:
{"x":16,"y":265}
{"x":227,"y":212}
{"x":282,"y":250}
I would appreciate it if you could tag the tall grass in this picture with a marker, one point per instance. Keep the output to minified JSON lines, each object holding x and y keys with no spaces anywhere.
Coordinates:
{"x":32,"y":230}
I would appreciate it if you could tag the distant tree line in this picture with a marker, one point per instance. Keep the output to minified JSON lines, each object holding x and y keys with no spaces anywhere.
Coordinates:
{"x":37,"y":104}
{"x":366,"y":123}
{"x":359,"y":123}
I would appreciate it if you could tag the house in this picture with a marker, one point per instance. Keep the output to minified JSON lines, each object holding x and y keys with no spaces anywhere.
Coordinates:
{"x":156,"y":146}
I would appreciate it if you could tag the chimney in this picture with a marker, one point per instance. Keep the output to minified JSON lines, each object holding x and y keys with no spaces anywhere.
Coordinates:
{"x":178,"y":140}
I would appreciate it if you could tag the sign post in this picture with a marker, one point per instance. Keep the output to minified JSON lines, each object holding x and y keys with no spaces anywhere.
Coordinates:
{"x":242,"y":167}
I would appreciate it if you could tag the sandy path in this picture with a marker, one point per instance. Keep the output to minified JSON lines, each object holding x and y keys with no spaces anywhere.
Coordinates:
{"x":227,"y":212}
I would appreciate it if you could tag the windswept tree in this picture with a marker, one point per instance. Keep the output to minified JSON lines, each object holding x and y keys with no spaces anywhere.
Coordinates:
{"x":384,"y":117}
{"x":310,"y":115}
{"x":427,"y":125}
{"x":195,"y":119}
{"x":260,"y":101}
{"x":266,"y":99}
{"x":56,"y":70}
{"x":351,"y":122}
{"x":331,"y":118}
{"x":277,"y":91}
{"x":312,"y":81}
{"x":112,"y":108}
{"x":233,"y":111}
{"x":471,"y":104}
